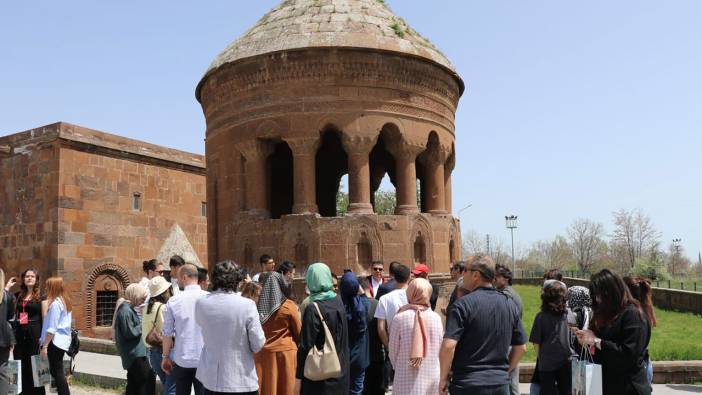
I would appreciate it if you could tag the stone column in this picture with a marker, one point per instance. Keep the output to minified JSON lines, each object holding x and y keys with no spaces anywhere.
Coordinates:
{"x":358,"y":149}
{"x":448,"y":205}
{"x":304,"y":151}
{"x":256,"y":152}
{"x":405,"y":154}
{"x":435,"y":182}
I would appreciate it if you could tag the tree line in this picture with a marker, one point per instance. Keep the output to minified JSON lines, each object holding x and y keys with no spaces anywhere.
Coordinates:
{"x":633,"y":247}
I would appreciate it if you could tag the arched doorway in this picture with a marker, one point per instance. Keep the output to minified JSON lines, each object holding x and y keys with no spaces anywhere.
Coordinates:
{"x":280,"y":198}
{"x":331,"y":164}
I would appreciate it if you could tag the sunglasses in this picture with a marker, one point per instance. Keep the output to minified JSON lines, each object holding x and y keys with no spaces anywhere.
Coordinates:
{"x":377,"y":269}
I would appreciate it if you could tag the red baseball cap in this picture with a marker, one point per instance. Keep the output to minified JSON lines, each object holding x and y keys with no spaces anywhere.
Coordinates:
{"x":420,"y":269}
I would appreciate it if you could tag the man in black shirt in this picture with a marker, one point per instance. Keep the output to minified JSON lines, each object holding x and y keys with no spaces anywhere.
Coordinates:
{"x":479,"y":332}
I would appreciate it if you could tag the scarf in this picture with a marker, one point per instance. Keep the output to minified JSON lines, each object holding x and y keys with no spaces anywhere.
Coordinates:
{"x":356,"y":313}
{"x":272,"y":296}
{"x":418,"y":300}
{"x":578,"y":297}
{"x":319,"y":282}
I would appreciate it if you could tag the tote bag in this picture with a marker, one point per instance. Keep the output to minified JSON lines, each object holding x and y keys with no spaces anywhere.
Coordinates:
{"x":14,"y":374}
{"x":586,"y":376}
{"x":322,"y":364}
{"x":40,"y":371}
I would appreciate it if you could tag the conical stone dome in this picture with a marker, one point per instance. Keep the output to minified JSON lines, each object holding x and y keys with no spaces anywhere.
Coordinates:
{"x":298,"y":24}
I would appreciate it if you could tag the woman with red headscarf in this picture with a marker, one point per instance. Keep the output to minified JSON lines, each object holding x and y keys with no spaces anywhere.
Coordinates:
{"x":415,"y":340}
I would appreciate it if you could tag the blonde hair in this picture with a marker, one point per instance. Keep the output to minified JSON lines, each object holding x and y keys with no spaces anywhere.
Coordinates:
{"x":136,"y":294}
{"x":54,"y":290}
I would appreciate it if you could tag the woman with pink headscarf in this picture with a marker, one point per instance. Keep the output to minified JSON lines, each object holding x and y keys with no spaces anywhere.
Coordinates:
{"x":415,"y":341}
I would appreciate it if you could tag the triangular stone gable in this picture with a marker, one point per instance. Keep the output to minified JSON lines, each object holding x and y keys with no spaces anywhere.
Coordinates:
{"x":177,"y":243}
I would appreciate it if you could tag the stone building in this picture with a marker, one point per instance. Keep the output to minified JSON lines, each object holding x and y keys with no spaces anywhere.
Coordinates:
{"x":316,"y":90}
{"x":91,"y":206}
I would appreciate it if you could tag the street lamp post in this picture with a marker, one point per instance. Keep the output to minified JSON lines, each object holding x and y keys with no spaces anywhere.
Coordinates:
{"x":511,"y":221}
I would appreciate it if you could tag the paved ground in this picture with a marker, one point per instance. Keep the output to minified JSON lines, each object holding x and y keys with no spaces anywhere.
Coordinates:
{"x":111,"y":366}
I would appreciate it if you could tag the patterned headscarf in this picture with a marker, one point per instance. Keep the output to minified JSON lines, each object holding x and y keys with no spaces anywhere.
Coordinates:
{"x":319,"y":282}
{"x":579,"y":297}
{"x":272,"y":296}
{"x":356,"y":313}
{"x":418,"y":299}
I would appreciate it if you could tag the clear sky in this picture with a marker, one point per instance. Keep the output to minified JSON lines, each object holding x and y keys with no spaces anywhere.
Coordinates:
{"x":572,"y":109}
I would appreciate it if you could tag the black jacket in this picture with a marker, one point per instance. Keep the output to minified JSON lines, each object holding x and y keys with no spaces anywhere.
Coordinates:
{"x":7,"y":317}
{"x":624,"y":345}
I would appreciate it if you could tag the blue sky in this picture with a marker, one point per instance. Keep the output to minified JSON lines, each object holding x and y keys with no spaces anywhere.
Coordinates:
{"x":572,"y":109}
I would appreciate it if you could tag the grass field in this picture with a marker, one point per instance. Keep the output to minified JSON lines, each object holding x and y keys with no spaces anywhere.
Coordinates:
{"x":678,"y":336}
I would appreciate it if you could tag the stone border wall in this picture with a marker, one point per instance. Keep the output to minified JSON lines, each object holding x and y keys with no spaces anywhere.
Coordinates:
{"x":664,"y":298}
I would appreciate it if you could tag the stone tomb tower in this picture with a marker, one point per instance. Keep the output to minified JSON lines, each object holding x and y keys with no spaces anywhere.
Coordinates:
{"x":318,"y":89}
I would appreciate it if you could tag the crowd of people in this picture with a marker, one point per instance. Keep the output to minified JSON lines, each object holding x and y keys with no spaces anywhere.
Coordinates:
{"x":228,"y":332}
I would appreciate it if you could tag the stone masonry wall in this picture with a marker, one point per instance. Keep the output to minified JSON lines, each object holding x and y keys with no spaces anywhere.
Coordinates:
{"x":28,"y":184}
{"x":98,"y":226}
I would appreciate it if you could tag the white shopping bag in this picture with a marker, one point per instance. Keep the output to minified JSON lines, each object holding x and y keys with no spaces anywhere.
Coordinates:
{"x":40,"y":371}
{"x":586,"y":378}
{"x":14,"y":372}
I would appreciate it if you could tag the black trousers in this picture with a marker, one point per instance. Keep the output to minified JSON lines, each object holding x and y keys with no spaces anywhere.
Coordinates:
{"x":373,"y":382}
{"x":185,"y":379}
{"x":28,"y":345}
{"x":140,"y":378}
{"x":208,"y":392}
{"x":556,"y":382}
{"x":55,"y":356}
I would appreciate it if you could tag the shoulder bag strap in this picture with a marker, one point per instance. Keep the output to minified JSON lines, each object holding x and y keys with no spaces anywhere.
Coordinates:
{"x":321,"y":317}
{"x":156,"y":315}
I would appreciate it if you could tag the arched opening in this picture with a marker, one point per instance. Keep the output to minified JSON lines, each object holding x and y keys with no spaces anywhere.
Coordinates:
{"x":280,"y":167}
{"x":385,"y":198}
{"x":452,"y":252}
{"x":364,"y":252}
{"x":424,"y":168}
{"x":331,"y":164}
{"x":421,"y":185}
{"x":381,"y":163}
{"x":420,"y":249}
{"x":102,"y":287}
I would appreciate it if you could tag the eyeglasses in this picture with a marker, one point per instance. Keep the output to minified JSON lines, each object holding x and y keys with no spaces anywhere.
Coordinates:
{"x":377,"y":269}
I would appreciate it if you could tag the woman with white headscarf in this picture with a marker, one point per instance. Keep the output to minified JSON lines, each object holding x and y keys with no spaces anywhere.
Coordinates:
{"x":140,"y":378}
{"x":415,"y":341}
{"x":280,"y":319}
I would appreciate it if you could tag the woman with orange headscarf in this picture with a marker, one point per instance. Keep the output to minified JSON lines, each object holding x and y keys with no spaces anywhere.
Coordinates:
{"x":415,"y":341}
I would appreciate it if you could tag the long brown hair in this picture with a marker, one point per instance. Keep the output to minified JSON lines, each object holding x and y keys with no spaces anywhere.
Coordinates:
{"x":54,"y":290}
{"x":24,"y":290}
{"x":640,"y":289}
{"x":553,"y":297}
{"x":610,"y":296}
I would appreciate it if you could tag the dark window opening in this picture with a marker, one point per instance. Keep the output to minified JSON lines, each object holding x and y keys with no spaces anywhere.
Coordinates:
{"x":452,"y":252}
{"x":136,"y":201}
{"x":281,"y":181}
{"x":364,"y":253}
{"x":105,"y":304}
{"x":203,"y":209}
{"x":420,"y":249}
{"x":331,"y":164}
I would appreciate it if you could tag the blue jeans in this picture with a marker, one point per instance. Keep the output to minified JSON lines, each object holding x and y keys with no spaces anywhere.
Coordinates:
{"x":167,"y":380}
{"x":356,"y":384}
{"x":649,"y":371}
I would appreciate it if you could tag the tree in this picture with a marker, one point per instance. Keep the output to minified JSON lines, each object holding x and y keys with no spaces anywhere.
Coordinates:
{"x":551,"y":254}
{"x":635,"y":234}
{"x":473,"y":243}
{"x":342,"y":203}
{"x":586,"y":242}
{"x":385,"y":202}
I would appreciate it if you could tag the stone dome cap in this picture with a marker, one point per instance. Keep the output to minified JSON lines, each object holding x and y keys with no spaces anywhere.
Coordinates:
{"x":298,"y":24}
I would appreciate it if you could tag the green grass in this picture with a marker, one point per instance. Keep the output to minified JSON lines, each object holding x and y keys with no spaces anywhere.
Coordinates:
{"x":678,"y":336}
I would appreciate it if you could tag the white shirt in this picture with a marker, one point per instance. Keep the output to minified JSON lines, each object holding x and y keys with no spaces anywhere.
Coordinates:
{"x":375,"y":284}
{"x":389,"y":304}
{"x":179,"y":320}
{"x":232,"y":333}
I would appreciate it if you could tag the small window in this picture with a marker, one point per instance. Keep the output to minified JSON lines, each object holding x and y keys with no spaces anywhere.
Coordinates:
{"x":105,"y":307}
{"x":203,"y":209}
{"x":136,"y":203}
